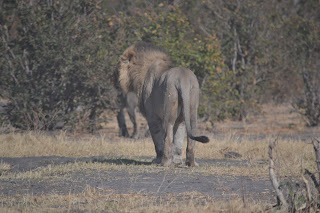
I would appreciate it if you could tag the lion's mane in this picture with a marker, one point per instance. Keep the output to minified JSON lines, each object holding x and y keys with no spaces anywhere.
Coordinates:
{"x":134,"y":65}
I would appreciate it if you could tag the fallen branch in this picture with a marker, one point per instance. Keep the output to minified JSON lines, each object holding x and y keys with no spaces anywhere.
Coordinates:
{"x":313,"y":178}
{"x":273,"y":177}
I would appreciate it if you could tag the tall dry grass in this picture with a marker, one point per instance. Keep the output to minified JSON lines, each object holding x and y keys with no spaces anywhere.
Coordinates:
{"x":40,"y":144}
{"x":292,"y":155}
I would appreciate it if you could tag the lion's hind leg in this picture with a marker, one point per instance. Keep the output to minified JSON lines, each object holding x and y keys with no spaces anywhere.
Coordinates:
{"x":190,"y":160}
{"x":167,"y":153}
{"x":170,"y":118}
{"x":178,"y":139}
{"x":157,"y":135}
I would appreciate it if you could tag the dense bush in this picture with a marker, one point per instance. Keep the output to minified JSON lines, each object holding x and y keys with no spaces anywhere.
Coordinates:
{"x":59,"y":57}
{"x":56,"y":62}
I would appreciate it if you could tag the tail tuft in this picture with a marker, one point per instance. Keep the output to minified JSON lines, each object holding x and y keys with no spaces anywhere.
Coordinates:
{"x":201,"y":139}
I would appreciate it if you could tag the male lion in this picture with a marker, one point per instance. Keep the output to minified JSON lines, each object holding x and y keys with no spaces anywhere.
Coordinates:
{"x":168,"y":98}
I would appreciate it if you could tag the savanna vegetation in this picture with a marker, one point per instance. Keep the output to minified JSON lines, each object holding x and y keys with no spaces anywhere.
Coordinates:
{"x":58,"y":57}
{"x":126,"y":164}
{"x":57,"y":60}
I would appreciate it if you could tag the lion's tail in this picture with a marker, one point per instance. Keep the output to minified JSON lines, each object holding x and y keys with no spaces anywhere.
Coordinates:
{"x":190,"y":121}
{"x":201,"y":139}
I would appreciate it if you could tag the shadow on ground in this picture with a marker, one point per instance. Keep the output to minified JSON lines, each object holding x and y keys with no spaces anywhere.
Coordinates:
{"x":23,"y":164}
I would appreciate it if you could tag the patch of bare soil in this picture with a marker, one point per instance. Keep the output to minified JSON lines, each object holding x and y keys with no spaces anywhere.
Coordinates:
{"x":171,"y":181}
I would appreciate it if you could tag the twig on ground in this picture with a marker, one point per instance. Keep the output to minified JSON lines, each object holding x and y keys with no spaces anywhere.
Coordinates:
{"x":243,"y":192}
{"x":273,"y":177}
{"x":164,"y":178}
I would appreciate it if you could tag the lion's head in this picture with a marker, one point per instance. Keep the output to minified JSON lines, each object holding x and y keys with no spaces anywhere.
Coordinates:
{"x":134,"y":64}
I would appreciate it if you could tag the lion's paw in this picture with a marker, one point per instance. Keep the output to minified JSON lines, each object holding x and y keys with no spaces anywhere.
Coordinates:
{"x":192,"y":164}
{"x":177,"y":160}
{"x":156,"y":161}
{"x":166,"y":162}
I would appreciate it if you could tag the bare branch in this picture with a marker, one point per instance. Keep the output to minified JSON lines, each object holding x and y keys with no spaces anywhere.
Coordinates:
{"x":316,"y":146}
{"x":201,"y":27}
{"x":306,"y":182}
{"x":313,"y":178}
{"x":7,"y":56}
{"x":26,"y":62}
{"x":203,"y":81}
{"x":235,"y":50}
{"x":273,"y":176}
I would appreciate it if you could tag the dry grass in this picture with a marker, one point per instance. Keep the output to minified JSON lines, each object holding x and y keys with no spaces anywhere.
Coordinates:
{"x":95,"y":200}
{"x":272,"y":119}
{"x":59,"y":171}
{"x":4,"y":167}
{"x":40,"y":144}
{"x":291,"y":155}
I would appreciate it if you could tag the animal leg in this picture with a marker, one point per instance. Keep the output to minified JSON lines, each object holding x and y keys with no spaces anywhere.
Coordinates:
{"x":190,"y":161}
{"x":123,"y":131}
{"x":178,"y":139}
{"x":132,"y":116}
{"x":167,"y":153}
{"x":157,"y":135}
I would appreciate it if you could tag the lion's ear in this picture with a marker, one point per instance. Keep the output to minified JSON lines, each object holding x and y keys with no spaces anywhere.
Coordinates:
{"x":129,"y":55}
{"x":124,"y":59}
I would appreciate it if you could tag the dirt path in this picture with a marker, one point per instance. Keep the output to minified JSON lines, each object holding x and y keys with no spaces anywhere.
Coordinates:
{"x":171,"y":181}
